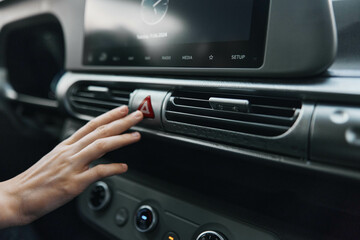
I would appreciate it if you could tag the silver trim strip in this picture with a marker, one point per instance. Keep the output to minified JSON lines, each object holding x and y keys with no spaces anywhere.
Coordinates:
{"x":210,"y":232}
{"x":238,"y":105}
{"x":319,"y":89}
{"x":97,"y":89}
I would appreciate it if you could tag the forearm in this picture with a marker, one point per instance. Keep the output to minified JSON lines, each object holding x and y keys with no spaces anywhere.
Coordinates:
{"x":9,"y":213}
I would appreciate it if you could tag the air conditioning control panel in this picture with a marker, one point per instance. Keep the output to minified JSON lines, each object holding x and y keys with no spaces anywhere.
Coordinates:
{"x":253,"y":120}
{"x":268,"y":123}
{"x":137,"y":212}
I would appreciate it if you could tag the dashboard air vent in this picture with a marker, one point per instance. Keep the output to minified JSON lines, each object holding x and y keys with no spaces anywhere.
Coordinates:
{"x":250,"y":114}
{"x":93,"y":99}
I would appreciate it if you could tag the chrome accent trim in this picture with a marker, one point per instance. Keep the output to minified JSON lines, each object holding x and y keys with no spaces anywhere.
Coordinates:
{"x":153,"y":223}
{"x":107,"y":196}
{"x":210,"y":232}
{"x":317,"y":89}
{"x":238,"y":104}
{"x":97,"y":89}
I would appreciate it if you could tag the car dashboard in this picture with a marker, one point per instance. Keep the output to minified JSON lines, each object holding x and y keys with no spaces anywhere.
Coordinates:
{"x":252,"y":118}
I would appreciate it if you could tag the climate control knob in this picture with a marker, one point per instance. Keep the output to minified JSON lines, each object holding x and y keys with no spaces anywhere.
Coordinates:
{"x":145,"y":219}
{"x":210,"y":235}
{"x":100,"y":196}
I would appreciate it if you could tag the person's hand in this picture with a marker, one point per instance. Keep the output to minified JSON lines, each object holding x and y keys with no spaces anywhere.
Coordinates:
{"x":64,"y":173}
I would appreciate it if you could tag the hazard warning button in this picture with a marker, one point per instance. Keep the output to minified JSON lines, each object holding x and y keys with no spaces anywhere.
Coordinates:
{"x":146,"y":108}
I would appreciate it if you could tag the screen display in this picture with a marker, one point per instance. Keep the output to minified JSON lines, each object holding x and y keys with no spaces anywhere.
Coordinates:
{"x":175,"y":33}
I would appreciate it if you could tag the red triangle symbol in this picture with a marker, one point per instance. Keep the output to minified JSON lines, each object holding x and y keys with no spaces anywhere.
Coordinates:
{"x":146,"y":108}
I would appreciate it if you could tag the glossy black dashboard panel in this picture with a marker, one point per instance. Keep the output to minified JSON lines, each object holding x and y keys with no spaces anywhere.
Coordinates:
{"x":149,"y":33}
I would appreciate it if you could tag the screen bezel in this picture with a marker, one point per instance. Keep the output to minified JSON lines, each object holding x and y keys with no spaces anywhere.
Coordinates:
{"x":254,"y":48}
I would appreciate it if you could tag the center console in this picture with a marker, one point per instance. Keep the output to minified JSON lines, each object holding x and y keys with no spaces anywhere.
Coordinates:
{"x":130,"y":210}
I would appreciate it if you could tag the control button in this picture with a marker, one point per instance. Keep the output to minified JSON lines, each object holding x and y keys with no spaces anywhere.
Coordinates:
{"x":146,"y":108}
{"x":211,"y":57}
{"x":145,"y":219}
{"x":237,"y":57}
{"x":339,"y":117}
{"x":103,"y":57}
{"x":210,"y":235}
{"x":187,"y":58}
{"x":121,"y":217}
{"x":99,"y":196}
{"x":131,"y":58}
{"x":90,"y":58}
{"x":166,"y":58}
{"x":116,"y":58}
{"x":171,"y":236}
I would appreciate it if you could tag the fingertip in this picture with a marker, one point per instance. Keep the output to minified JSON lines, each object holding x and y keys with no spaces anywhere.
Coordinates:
{"x":138,"y":115}
{"x":136,"y":135}
{"x":124,"y":109}
{"x":125,"y":167}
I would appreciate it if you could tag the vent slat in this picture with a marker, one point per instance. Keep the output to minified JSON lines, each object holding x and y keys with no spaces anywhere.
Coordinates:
{"x":121,"y":99}
{"x":224,"y":124}
{"x":273,"y":111}
{"x":93,"y":99}
{"x":120,"y":94}
{"x":85,"y":94}
{"x":271,"y":101}
{"x":258,"y":118}
{"x":97,"y":102}
{"x":191,"y":102}
{"x":256,"y":108}
{"x":265,"y":116}
{"x":90,"y":109}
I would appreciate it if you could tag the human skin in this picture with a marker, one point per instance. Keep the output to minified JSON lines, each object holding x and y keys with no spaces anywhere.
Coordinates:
{"x":64,"y":173}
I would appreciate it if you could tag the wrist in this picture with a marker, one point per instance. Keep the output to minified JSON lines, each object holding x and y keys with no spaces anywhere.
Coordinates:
{"x":9,"y":214}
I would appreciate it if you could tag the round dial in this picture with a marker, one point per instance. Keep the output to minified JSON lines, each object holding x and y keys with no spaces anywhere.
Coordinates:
{"x":210,"y":235}
{"x":153,"y":11}
{"x":145,"y":219}
{"x":99,"y":196}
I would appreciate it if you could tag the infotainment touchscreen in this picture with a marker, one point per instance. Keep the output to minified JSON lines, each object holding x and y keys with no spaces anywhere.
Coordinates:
{"x":175,"y":33}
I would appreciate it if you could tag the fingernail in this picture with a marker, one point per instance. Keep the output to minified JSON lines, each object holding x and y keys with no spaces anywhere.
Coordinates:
{"x":123,"y":109}
{"x":125,"y":167}
{"x":135,"y":134}
{"x":138,"y":114}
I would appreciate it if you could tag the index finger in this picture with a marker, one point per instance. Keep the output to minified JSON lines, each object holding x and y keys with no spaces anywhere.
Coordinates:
{"x":103,"y":119}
